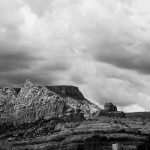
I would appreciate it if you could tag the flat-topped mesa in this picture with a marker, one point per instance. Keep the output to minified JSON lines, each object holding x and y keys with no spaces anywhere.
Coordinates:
{"x":63,"y":91}
{"x":67,"y":90}
{"x":32,"y":102}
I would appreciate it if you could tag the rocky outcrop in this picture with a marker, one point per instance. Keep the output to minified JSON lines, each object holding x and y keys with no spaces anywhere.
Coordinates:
{"x":110,"y":110}
{"x":36,"y":118}
{"x":32,"y":102}
{"x":37,"y":102}
{"x":110,"y":107}
{"x":7,"y":100}
{"x":118,"y":114}
{"x":67,"y":91}
{"x":63,"y":91}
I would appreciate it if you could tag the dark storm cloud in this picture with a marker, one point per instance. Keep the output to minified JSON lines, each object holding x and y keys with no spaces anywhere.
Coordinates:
{"x":15,"y":69}
{"x":56,"y":66}
{"x":14,"y":61}
{"x":20,"y":62}
{"x":14,"y":64}
{"x":19,"y":78}
{"x":78,"y":79}
{"x":15,"y":57}
{"x":122,"y":58}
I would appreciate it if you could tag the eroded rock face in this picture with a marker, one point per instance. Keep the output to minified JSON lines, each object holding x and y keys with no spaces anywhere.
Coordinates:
{"x":63,"y":91}
{"x":7,"y":100}
{"x":33,"y":102}
{"x":37,"y":102}
{"x":86,"y":107}
{"x":110,"y":107}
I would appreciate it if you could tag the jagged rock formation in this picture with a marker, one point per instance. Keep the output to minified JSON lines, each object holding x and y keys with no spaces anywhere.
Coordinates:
{"x":63,"y":91}
{"x":110,"y":107}
{"x":67,"y":91}
{"x":37,"y":102}
{"x":7,"y":100}
{"x":33,"y":102}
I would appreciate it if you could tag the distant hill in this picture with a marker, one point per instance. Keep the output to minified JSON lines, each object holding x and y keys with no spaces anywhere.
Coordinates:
{"x":137,"y":115}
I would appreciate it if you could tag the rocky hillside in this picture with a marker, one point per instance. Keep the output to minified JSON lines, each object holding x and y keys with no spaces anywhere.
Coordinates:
{"x":7,"y":100}
{"x":33,"y":102}
{"x":63,"y":91}
{"x":59,"y":134}
{"x":67,"y":91}
{"x":36,"y":117}
{"x":110,"y":110}
{"x":145,"y":116}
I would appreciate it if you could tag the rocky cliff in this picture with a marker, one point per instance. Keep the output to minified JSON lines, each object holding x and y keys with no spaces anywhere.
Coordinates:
{"x":35,"y":117}
{"x":37,"y":102}
{"x":33,"y":102}
{"x":67,"y":91}
{"x":7,"y":99}
{"x":63,"y":91}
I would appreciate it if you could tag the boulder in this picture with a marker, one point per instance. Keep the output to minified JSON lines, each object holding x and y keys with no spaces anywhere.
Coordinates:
{"x":110,"y":107}
{"x":110,"y":110}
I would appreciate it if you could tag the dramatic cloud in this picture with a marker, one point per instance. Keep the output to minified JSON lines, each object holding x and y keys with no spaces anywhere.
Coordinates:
{"x":101,"y":46}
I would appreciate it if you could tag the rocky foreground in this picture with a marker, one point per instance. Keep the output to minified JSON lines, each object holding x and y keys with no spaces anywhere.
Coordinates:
{"x":56,"y":134}
{"x":35,"y":117}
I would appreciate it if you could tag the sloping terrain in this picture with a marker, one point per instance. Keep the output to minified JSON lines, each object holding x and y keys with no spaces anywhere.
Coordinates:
{"x":7,"y":100}
{"x":59,"y":134}
{"x":139,"y":115}
{"x":35,"y":117}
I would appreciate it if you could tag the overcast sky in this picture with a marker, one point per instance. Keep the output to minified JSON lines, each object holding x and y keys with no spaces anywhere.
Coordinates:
{"x":101,"y":46}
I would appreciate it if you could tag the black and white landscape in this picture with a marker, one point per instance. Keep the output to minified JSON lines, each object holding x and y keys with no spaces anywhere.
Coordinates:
{"x":73,"y":72}
{"x":34,"y":117}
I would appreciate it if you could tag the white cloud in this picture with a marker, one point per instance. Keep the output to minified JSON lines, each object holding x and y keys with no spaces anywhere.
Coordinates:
{"x":101,"y":46}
